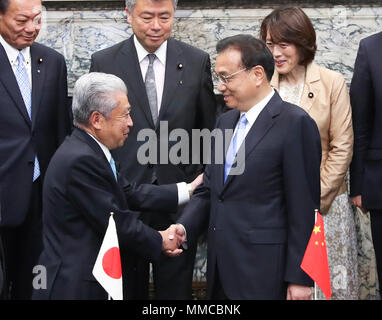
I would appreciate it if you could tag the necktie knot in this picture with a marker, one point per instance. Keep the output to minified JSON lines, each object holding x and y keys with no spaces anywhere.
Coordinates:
{"x":242,"y":122}
{"x":151,"y":57}
{"x":20,"y":58}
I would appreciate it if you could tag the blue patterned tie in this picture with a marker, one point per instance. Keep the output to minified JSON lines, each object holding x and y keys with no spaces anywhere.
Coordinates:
{"x":25,"y":89}
{"x":113,"y":167}
{"x":235,"y":145}
{"x":24,"y":85}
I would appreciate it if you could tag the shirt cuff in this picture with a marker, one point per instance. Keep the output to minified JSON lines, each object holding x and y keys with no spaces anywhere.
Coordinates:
{"x":183,"y":193}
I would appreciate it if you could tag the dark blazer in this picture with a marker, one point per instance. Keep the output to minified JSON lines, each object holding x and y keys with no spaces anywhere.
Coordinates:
{"x":2,"y":270}
{"x":188,"y":102}
{"x":21,"y":138}
{"x":259,"y":222}
{"x":79,"y":193}
{"x":366,"y":102}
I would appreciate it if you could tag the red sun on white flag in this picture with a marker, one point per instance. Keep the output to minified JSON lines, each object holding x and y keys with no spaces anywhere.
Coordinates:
{"x":111,"y":263}
{"x":107,"y":268}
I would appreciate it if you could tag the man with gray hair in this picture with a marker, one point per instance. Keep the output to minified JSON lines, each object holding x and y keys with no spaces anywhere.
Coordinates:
{"x":82,"y":187}
{"x":170,"y":85}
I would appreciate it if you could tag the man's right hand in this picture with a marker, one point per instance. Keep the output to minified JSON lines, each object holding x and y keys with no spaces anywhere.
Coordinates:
{"x":173,"y":237}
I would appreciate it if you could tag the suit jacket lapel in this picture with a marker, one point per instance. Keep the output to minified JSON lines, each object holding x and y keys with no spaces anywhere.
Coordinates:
{"x":7,"y":77}
{"x":173,"y":75}
{"x":38,"y":77}
{"x":133,"y":76}
{"x":311,"y":86}
{"x":259,"y":129}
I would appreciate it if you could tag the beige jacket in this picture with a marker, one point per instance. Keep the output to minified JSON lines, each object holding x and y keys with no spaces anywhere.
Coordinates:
{"x":325,"y":97}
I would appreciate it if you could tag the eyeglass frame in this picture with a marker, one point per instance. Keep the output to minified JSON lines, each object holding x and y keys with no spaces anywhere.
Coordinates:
{"x":224,"y":79}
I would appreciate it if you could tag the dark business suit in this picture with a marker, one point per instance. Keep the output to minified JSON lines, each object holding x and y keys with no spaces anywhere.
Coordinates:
{"x":2,"y":271}
{"x":259,"y":222}
{"x":366,"y":166}
{"x":80,"y":191}
{"x":188,"y":103}
{"x":20,"y":140}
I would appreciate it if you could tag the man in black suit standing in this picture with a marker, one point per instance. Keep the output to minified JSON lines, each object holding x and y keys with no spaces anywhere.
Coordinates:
{"x":170,"y":85}
{"x":366,"y":166}
{"x":81,"y":188}
{"x":34,"y":120}
{"x":259,"y":204}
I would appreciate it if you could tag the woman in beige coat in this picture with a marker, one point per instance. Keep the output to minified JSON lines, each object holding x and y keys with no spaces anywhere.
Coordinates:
{"x":322,"y":93}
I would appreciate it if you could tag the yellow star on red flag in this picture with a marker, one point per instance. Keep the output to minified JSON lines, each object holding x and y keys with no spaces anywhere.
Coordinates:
{"x":317,"y":229}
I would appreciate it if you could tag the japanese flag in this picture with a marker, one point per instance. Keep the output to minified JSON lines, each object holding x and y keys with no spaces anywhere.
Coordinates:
{"x":107,"y":268}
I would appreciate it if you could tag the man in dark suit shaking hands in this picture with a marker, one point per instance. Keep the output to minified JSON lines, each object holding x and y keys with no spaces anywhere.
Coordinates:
{"x":170,"y":85}
{"x":260,"y":212}
{"x":82,"y":186}
{"x":34,"y":120}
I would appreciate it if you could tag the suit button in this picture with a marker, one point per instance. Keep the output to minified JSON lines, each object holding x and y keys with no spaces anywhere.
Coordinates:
{"x":221,"y":199}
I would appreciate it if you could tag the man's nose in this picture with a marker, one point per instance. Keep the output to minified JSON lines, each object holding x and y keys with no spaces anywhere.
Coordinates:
{"x":130,"y":121}
{"x":221,"y":86}
{"x":155,"y":24}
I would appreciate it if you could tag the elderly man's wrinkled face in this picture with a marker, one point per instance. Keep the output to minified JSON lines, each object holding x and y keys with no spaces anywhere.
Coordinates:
{"x":152,"y":22}
{"x":21,"y":23}
{"x":116,"y":127}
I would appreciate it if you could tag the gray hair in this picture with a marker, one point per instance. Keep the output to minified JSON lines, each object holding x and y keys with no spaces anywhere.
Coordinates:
{"x":94,"y":92}
{"x":130,"y":4}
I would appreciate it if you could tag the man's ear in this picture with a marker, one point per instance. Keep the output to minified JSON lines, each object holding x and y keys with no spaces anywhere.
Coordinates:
{"x":128,"y":13}
{"x":259,"y":75}
{"x":96,"y":120}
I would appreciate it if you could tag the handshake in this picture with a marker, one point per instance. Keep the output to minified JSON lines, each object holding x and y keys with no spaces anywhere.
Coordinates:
{"x":173,"y":238}
{"x":175,"y":235}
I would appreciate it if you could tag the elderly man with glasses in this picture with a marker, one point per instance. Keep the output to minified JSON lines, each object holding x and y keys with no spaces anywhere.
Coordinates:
{"x":259,"y":219}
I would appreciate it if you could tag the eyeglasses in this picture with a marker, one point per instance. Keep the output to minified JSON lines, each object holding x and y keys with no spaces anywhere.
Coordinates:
{"x":225,"y":79}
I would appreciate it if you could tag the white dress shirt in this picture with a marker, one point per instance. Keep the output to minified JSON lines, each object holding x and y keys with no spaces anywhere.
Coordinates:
{"x":183,"y":194}
{"x":254,"y":112}
{"x":12,"y":54}
{"x":159,"y":66}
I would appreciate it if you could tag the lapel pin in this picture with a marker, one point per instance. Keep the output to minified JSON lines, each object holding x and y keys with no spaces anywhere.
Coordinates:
{"x":310,"y":95}
{"x":180,"y":66}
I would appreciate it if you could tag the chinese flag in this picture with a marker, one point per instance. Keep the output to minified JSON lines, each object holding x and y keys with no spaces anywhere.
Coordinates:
{"x":315,"y":261}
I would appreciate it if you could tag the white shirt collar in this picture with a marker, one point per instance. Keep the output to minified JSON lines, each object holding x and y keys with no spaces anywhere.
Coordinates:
{"x":142,"y":52}
{"x":254,"y":112}
{"x":105,"y":150}
{"x":12,"y":52}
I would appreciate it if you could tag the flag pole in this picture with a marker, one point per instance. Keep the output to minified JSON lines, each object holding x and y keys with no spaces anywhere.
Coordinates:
{"x":315,"y":284}
{"x":108,"y":295}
